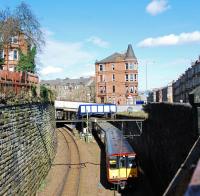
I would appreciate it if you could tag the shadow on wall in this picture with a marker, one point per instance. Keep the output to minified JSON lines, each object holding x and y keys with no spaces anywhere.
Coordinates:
{"x":169,"y":133}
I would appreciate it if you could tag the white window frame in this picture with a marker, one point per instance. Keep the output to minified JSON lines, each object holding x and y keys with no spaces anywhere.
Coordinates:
{"x":14,"y":38}
{"x":101,"y":66}
{"x":131,"y":89}
{"x":10,"y":55}
{"x":131,"y":66}
{"x":126,"y":78}
{"x":113,"y":77}
{"x":131,"y":77}
{"x":17,"y":55}
{"x":2,"y":54}
{"x":126,"y":66}
{"x":135,"y":76}
{"x":113,"y":67}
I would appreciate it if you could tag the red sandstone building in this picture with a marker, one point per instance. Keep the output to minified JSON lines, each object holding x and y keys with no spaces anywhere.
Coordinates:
{"x":117,"y":78}
{"x":9,"y":78}
{"x":10,"y":52}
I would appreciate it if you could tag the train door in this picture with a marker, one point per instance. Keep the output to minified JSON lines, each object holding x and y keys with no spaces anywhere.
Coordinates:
{"x":122,"y":167}
{"x":131,"y":166}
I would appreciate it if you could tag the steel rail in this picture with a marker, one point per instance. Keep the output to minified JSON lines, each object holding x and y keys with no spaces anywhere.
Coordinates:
{"x":79,"y":160}
{"x":59,"y":192}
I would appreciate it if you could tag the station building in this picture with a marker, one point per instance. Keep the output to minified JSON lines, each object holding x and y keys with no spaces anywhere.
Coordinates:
{"x":117,"y":78}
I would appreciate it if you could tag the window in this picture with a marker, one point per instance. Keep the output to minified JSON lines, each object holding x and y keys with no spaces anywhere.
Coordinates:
{"x":113,"y":89}
{"x":101,"y":67}
{"x":13,"y":40}
{"x":1,"y":54}
{"x":113,"y":162}
{"x":126,"y":77}
{"x":135,"y":77}
{"x":131,"y":66}
{"x":113,"y":67}
{"x":131,"y":89}
{"x":15,"y":55}
{"x":122,"y":162}
{"x":113,"y":77}
{"x":131,"y":162}
{"x":131,"y":77}
{"x":126,"y":66}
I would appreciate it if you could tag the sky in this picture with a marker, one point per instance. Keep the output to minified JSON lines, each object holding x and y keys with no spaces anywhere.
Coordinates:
{"x":165,"y":36}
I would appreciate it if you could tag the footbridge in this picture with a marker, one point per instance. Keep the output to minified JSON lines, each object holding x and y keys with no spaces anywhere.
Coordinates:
{"x":66,"y":110}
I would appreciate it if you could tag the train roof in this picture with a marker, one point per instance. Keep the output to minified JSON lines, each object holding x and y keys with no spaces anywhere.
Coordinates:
{"x":116,"y":144}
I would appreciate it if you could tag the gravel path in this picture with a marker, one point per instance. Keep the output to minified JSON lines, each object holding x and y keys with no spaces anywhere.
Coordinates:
{"x":90,"y":180}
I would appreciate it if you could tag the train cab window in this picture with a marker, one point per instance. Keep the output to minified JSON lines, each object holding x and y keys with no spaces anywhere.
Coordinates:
{"x":122,"y":161}
{"x":131,"y":162}
{"x":113,"y":162}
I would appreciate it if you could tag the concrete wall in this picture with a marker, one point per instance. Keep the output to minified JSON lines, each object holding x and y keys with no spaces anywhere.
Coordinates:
{"x":168,"y":135}
{"x":27,"y":147}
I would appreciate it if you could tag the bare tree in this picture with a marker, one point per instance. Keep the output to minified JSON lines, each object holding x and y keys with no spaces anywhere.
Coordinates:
{"x":29,"y":25}
{"x":20,"y":21}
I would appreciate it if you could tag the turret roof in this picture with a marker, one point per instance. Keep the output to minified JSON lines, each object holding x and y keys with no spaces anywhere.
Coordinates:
{"x":116,"y":57}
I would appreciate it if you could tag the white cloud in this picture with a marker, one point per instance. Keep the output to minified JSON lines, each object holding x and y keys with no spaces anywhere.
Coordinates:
{"x":51,"y":70}
{"x":157,"y":6}
{"x":62,"y":57}
{"x":98,"y":41}
{"x":171,"y":39}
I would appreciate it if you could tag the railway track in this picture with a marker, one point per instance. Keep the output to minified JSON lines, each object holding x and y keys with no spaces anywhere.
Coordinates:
{"x":71,"y":182}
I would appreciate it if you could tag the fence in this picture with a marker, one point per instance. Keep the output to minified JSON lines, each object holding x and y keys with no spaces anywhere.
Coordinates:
{"x":16,"y":80}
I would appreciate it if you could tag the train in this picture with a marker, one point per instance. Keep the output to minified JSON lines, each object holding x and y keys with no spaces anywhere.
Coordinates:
{"x":121,"y":159}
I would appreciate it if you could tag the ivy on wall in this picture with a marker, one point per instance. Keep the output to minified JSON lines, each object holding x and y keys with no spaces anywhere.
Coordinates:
{"x":27,"y":61}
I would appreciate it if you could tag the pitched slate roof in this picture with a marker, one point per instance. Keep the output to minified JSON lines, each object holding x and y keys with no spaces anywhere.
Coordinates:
{"x":115,"y":57}
{"x":68,"y":81}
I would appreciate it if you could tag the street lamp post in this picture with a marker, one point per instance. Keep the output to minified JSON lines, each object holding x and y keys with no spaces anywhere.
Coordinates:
{"x":146,"y":76}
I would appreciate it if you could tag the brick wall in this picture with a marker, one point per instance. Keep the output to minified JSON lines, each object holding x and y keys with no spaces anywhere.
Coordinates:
{"x":27,"y":147}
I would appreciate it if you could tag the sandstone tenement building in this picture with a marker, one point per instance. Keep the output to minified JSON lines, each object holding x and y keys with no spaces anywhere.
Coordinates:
{"x":10,"y":52}
{"x":117,"y":78}
{"x":81,"y":89}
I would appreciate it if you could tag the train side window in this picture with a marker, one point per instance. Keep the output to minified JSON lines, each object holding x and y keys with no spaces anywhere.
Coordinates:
{"x":113,"y":162}
{"x":122,"y":162}
{"x":131,"y":162}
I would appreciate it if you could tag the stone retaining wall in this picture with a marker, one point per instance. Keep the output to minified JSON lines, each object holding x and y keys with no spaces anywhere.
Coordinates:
{"x":27,"y":147}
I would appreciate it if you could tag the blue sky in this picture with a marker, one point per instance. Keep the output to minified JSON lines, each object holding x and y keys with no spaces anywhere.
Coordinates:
{"x":165,"y":35}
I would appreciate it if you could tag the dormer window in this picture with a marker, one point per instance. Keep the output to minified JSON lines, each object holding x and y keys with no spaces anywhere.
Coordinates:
{"x":13,"y":40}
